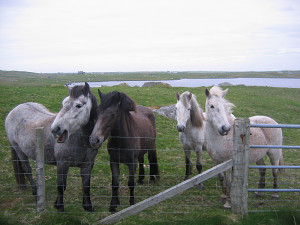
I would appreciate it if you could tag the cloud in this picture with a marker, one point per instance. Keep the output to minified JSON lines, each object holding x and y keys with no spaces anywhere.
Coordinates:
{"x":146,"y":35}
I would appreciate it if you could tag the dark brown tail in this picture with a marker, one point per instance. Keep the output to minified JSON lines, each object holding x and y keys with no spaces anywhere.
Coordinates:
{"x":18,"y":169}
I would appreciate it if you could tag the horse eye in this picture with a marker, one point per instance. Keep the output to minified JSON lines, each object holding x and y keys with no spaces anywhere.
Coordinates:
{"x":212,"y":107}
{"x":78,"y":106}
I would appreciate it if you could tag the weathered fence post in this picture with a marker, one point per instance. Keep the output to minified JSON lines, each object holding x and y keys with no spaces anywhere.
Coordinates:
{"x":239,"y":183}
{"x":40,"y":171}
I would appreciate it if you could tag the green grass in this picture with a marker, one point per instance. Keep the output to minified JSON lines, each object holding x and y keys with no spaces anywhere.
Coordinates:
{"x":190,"y":207}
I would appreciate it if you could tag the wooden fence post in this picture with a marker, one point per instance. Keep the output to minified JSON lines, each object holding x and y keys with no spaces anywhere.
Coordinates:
{"x":40,"y":171}
{"x":239,"y":183}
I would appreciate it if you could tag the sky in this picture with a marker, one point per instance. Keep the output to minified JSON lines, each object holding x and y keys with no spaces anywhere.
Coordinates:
{"x":149,"y":35}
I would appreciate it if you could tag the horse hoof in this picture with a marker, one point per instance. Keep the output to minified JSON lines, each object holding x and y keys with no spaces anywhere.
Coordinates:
{"x":140,"y":182}
{"x":275,"y":196}
{"x":89,"y":208}
{"x":257,"y":194}
{"x":59,"y":208}
{"x":112,"y":209}
{"x":200,"y":187}
{"x":223,"y":198}
{"x":152,"y":181}
{"x":227,"y":205}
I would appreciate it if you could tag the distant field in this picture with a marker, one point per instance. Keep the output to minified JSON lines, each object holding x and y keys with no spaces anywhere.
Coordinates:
{"x":37,"y":79}
{"x":190,"y":207}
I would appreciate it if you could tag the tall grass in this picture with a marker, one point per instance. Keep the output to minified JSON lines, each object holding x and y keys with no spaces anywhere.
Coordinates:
{"x":190,"y":207}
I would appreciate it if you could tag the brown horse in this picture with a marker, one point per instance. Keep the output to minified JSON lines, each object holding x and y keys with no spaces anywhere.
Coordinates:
{"x":131,"y":133}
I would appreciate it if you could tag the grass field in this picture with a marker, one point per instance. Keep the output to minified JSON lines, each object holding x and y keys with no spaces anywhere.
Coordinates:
{"x":190,"y":207}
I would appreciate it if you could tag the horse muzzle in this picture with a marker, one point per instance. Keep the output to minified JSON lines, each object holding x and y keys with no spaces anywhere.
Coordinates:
{"x":60,"y":135}
{"x":224,"y":130}
{"x":181,"y":128}
{"x":96,"y":142}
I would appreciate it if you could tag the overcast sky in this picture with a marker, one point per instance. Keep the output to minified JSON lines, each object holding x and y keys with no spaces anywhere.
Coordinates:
{"x":149,"y":35}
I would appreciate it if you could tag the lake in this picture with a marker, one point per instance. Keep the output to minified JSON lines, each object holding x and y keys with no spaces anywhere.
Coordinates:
{"x":266,"y":82}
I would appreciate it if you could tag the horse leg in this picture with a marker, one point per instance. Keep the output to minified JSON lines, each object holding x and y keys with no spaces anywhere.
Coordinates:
{"x":18,"y":169}
{"x":223,"y":186}
{"x":85,"y":173}
{"x":188,"y":164}
{"x":227,"y":204}
{"x":115,"y":169}
{"x":62,"y":173}
{"x":141,"y":168}
{"x":152,"y":158}
{"x":132,"y":169}
{"x":262,"y":172}
{"x":199,"y":165}
{"x":27,"y":171}
{"x":275,"y":159}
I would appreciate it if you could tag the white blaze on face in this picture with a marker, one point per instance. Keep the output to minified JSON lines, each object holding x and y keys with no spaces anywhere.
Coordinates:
{"x":182,"y":115}
{"x":74,"y":114}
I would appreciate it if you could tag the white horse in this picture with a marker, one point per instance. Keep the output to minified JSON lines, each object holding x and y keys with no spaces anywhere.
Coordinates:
{"x":219,"y":138}
{"x":190,"y":125}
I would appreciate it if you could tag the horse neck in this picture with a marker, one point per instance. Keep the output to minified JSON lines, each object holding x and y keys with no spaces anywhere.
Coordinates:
{"x":124,"y":125}
{"x":87,"y":130}
{"x":196,"y":116}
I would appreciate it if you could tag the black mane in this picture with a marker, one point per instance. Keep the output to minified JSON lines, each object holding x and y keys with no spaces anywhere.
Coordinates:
{"x":115,"y":97}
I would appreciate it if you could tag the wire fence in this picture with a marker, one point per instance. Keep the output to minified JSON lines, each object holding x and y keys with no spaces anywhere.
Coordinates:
{"x":172,"y":170}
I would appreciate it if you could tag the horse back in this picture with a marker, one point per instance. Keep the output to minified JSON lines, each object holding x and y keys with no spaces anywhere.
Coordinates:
{"x":20,"y":126}
{"x":144,"y":119}
{"x":272,"y":136}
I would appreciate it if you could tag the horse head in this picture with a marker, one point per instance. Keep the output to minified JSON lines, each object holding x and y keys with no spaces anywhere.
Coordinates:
{"x":77,"y":111}
{"x":187,"y":108}
{"x":183,"y":108}
{"x":217,"y":109}
{"x":112,"y":106}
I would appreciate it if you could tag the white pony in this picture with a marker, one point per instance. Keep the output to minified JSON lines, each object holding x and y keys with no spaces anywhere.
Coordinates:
{"x":190,"y":125}
{"x":219,"y":138}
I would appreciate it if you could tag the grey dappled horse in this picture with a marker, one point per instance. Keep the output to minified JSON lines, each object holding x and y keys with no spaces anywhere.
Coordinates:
{"x":72,"y":147}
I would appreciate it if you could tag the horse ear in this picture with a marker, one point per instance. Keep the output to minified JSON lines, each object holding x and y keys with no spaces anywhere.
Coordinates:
{"x":86,"y":89}
{"x":126,"y":103}
{"x":190,"y":96}
{"x":100,"y":94}
{"x":69,"y":89}
{"x":177,"y":96}
{"x":207,"y":93}
{"x":224,"y":93}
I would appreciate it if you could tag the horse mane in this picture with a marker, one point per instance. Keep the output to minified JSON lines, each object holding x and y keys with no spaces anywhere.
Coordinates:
{"x":219,"y":93}
{"x":126,"y":103}
{"x":85,"y":90}
{"x":196,"y":112}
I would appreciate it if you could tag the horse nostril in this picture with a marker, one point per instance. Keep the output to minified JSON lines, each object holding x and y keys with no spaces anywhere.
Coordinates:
{"x":225,"y":129}
{"x":94,"y":141}
{"x":180,"y":128}
{"x":56,"y":130}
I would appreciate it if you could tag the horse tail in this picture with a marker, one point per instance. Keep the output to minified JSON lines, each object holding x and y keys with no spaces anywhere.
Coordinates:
{"x":152,"y":158}
{"x":18,"y":169}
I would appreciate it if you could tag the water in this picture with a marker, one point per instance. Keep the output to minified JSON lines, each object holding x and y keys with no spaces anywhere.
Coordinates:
{"x":266,"y":82}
